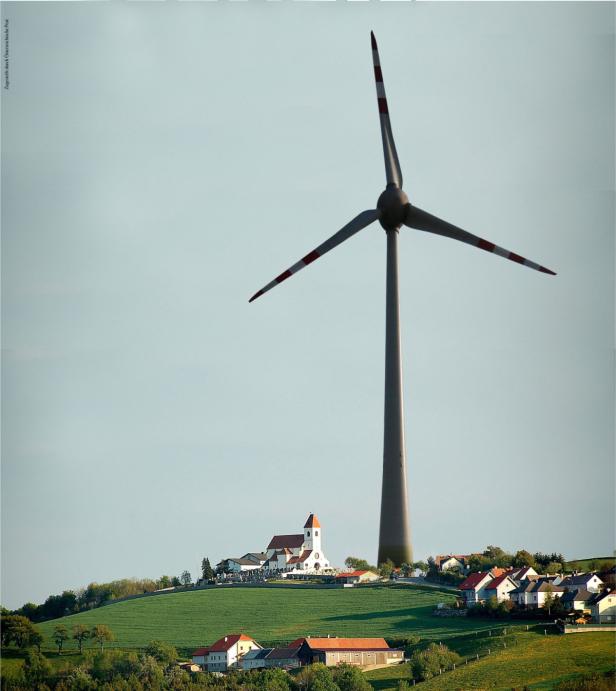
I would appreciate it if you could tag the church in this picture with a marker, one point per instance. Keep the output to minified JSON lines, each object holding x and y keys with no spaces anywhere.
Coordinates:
{"x":300,"y":553}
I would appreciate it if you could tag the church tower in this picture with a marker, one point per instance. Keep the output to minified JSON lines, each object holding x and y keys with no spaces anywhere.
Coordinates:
{"x":312,"y":534}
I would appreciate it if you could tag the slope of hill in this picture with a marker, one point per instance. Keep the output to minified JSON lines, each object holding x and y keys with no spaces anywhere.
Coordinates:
{"x":530,"y":659}
{"x":274,"y":615}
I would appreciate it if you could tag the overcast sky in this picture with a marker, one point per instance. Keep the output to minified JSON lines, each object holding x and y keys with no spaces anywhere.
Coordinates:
{"x":163,"y":161}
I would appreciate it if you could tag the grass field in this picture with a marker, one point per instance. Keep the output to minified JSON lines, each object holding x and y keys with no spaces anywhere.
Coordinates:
{"x":530,"y":659}
{"x":586,"y":564}
{"x":274,"y":615}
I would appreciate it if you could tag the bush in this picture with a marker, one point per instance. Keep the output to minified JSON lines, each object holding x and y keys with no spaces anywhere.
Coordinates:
{"x":349,"y":678}
{"x":427,"y":663}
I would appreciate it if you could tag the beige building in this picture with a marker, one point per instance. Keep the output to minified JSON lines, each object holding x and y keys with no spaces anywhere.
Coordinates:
{"x":363,"y":652}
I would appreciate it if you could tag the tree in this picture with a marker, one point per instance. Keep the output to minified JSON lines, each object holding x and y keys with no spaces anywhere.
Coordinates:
{"x":426,"y":663}
{"x":161,"y":651}
{"x":60,"y":634}
{"x":349,"y":678}
{"x":358,"y":564}
{"x":316,"y":677}
{"x":164,"y":582}
{"x":207,"y":572}
{"x":81,"y":633}
{"x":19,"y":630}
{"x":386,"y":568}
{"x":553,"y":567}
{"x":36,"y":638}
{"x":548,"y":602}
{"x":523,"y":558}
{"x":421,"y":565}
{"x":175,"y":582}
{"x":37,"y":669}
{"x":186,"y":578}
{"x":101,"y":633}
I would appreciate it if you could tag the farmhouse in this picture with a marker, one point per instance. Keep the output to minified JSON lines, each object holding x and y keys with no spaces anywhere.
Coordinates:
{"x":362,"y":652}
{"x":357,"y":576}
{"x":225,"y":653}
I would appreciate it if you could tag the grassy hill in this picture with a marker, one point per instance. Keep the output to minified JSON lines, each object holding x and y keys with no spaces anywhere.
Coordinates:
{"x":199,"y":617}
{"x":590,"y":564}
{"x":530,"y":659}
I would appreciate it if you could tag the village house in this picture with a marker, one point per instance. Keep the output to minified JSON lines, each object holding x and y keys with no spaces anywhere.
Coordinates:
{"x":473,"y":588}
{"x":576,"y":600}
{"x":225,"y":654}
{"x":526,"y":573}
{"x":453,"y":562}
{"x":363,"y":652}
{"x":603,"y":607}
{"x":589,"y":581}
{"x":500,"y":587}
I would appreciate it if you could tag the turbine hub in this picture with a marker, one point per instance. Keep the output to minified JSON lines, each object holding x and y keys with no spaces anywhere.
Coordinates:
{"x":392,"y":205}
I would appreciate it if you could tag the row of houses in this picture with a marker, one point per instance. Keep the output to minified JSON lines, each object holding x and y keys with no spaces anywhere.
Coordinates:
{"x":238,"y":651}
{"x":527,"y":589}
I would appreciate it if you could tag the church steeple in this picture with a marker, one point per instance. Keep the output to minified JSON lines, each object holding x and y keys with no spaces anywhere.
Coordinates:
{"x":312,"y":533}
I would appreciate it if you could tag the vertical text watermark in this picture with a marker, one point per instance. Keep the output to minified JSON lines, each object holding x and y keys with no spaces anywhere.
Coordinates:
{"x":5,"y":53}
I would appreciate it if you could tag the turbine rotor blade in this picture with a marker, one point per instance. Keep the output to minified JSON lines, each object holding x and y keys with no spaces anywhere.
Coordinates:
{"x":422,"y":220}
{"x":364,"y":219}
{"x":392,"y":165}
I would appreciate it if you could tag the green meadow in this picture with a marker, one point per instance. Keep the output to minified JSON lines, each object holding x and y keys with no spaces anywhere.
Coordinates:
{"x":199,"y":617}
{"x":530,"y":659}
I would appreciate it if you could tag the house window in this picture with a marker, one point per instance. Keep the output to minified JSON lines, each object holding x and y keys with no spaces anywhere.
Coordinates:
{"x":316,"y":533}
{"x":308,"y":533}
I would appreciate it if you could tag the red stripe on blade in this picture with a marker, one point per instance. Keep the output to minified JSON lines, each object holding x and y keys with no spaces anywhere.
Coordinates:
{"x":378,"y":75}
{"x":383,"y":106}
{"x":310,"y":257}
{"x":516,"y":258}
{"x":283,"y":276}
{"x":485,"y":245}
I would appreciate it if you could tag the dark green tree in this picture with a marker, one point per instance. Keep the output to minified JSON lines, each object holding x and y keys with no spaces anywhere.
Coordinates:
{"x":358,"y":564}
{"x":207,"y":572}
{"x":60,"y":634}
{"x":186,"y":578}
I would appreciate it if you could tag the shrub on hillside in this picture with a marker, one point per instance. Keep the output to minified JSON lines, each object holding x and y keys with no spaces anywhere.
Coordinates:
{"x":589,"y":682}
{"x":349,"y":678}
{"x":427,"y":663}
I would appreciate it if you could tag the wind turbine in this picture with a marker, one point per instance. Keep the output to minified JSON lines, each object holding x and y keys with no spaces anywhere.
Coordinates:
{"x":393,"y":210}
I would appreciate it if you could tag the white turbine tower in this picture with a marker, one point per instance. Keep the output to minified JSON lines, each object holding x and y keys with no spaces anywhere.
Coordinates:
{"x":393,"y":210}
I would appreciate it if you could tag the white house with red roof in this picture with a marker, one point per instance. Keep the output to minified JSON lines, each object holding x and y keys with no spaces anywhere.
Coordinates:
{"x":473,"y":587}
{"x":298,"y":553}
{"x":225,"y":654}
{"x":500,"y":587}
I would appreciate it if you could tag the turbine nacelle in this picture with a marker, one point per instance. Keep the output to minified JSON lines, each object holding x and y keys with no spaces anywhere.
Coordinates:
{"x":392,"y":205}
